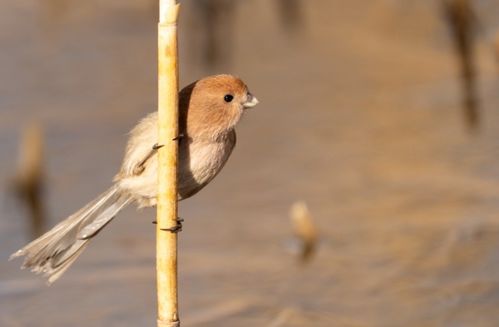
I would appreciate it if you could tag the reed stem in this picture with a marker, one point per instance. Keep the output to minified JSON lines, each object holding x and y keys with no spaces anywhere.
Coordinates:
{"x":166,"y":241}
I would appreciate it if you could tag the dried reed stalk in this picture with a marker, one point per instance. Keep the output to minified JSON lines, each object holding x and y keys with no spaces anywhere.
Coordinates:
{"x":28,"y":182}
{"x":304,"y":229}
{"x":166,"y":241}
{"x":464,"y":22}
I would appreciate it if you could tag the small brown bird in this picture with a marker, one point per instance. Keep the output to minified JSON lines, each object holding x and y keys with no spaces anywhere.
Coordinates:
{"x":209,"y":110}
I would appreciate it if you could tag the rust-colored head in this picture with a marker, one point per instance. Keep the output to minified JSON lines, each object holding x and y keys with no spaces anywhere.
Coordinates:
{"x":212,"y":106}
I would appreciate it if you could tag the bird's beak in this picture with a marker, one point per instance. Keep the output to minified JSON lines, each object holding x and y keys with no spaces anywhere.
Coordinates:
{"x":251,"y":101}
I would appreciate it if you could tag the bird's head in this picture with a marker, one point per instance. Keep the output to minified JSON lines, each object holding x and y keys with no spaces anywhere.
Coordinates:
{"x":213,"y":105}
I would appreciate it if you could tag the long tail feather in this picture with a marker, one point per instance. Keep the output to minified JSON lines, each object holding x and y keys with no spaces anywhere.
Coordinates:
{"x":52,"y":253}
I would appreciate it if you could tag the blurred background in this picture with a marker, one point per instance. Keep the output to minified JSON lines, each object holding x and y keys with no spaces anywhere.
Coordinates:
{"x":382,"y":116}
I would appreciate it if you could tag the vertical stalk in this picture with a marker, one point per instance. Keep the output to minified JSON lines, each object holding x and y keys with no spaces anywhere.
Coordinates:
{"x":166,"y":241}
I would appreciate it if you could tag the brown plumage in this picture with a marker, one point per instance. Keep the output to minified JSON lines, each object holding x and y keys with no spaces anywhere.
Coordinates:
{"x":209,"y":110}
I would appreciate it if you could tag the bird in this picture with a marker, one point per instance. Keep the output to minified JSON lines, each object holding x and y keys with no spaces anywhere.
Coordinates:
{"x":209,"y":110}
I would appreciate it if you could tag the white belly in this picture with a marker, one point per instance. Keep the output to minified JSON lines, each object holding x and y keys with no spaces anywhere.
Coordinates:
{"x":199,"y":163}
{"x":206,"y":160}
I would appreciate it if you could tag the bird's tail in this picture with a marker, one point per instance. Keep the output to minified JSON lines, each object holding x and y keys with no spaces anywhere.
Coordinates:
{"x":52,"y":253}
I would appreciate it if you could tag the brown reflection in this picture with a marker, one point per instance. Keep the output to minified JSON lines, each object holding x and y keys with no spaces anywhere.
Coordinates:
{"x":53,"y":12}
{"x":462,"y":22}
{"x":496,"y":47}
{"x":291,"y":14}
{"x":217,"y":18}
{"x":27,"y":183}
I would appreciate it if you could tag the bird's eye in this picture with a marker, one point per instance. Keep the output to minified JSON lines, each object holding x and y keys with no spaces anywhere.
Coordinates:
{"x":228,"y":97}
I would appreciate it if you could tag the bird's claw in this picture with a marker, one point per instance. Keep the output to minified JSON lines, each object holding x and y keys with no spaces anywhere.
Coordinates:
{"x":157,"y":146}
{"x":139,"y":169}
{"x":178,"y":137}
{"x":175,"y":229}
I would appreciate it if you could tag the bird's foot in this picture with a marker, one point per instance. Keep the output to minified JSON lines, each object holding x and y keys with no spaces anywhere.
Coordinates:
{"x":175,"y":229}
{"x":179,"y":137}
{"x":138,"y":169}
{"x":141,"y":166}
{"x":157,"y":146}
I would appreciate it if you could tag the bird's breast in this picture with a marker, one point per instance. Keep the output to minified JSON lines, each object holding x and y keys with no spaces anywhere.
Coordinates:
{"x":200,"y":162}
